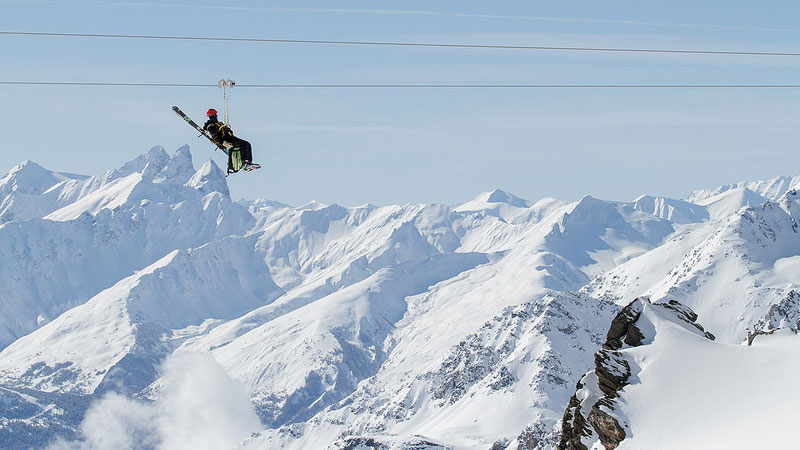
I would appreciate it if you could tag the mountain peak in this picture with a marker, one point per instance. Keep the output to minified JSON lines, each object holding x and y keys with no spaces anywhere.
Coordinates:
{"x":25,"y":164}
{"x":501,"y":196}
{"x":790,"y":201}
{"x":592,"y":209}
{"x":179,"y":169}
{"x":149,"y":164}
{"x":30,"y":178}
{"x":313,"y":205}
{"x":209,"y":178}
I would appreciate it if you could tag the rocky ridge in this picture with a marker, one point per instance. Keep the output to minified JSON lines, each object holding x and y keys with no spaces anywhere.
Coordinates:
{"x":592,"y":414}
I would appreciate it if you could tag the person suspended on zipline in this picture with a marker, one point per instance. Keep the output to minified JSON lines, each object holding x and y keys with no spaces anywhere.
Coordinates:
{"x":239,"y":151}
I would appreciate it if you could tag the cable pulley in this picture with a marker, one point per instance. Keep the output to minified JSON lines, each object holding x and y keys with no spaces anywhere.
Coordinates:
{"x":225,"y":84}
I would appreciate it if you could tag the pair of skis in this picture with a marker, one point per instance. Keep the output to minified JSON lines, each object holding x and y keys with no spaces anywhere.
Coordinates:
{"x":187,"y":119}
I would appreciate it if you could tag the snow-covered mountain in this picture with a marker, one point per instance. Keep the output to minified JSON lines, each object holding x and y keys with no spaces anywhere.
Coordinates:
{"x":414,"y":326}
{"x":769,"y":189}
{"x":729,"y":271}
{"x":97,"y":230}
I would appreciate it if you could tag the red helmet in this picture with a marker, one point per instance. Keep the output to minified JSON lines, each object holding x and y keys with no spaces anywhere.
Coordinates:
{"x":211,"y":112}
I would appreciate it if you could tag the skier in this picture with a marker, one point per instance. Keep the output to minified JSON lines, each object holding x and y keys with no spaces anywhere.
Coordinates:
{"x":239,"y":151}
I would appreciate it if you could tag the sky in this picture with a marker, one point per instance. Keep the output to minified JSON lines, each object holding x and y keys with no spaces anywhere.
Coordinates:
{"x":397,"y":146}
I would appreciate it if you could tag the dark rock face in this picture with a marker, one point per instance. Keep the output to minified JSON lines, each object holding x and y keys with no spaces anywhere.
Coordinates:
{"x":362,"y":442}
{"x":784,"y":314}
{"x":536,"y":437}
{"x":612,"y":372}
{"x":623,"y":327}
{"x":685,"y":314}
{"x":574,"y":425}
{"x":500,"y":445}
{"x":607,"y":427}
{"x":419,"y":444}
{"x":591,"y":413}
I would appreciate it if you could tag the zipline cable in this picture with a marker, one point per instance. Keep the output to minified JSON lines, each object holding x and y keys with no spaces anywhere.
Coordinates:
{"x":403,"y":44}
{"x":100,"y":83}
{"x":409,"y":86}
{"x":524,"y":86}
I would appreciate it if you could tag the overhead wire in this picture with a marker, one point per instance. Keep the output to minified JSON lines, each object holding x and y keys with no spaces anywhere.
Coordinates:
{"x":405,"y":44}
{"x":402,"y":86}
{"x":527,"y":86}
{"x":100,"y":83}
{"x":406,"y":86}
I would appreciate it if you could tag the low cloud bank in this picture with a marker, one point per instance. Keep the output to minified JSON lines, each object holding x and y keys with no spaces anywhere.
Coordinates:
{"x":199,"y":407}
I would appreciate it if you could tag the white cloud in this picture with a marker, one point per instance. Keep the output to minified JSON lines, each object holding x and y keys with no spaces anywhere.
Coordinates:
{"x":199,"y":407}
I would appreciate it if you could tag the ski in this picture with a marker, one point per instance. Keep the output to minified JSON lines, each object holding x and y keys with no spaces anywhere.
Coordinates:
{"x":192,"y":123}
{"x":187,"y":119}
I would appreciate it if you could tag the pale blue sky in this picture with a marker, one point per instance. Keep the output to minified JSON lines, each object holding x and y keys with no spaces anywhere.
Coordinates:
{"x":397,"y":146}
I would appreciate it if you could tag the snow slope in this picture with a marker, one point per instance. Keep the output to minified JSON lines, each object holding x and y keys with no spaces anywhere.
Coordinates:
{"x":733,"y":411}
{"x":400,"y":326}
{"x":728,"y":202}
{"x":125,"y":331}
{"x":676,"y":211}
{"x":670,"y":385}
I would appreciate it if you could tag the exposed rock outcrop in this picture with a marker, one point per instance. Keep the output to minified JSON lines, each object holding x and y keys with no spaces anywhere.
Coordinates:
{"x":784,"y":314}
{"x":537,"y":436}
{"x":608,"y":428}
{"x":623,"y":328}
{"x":686,"y":314}
{"x":368,"y":443}
{"x":592,"y":414}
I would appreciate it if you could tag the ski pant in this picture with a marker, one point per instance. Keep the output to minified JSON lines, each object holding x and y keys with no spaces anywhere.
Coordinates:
{"x":244,"y":147}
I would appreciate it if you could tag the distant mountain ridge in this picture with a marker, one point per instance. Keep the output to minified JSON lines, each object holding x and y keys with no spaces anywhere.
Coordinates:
{"x":771,"y":189}
{"x":416,"y":326}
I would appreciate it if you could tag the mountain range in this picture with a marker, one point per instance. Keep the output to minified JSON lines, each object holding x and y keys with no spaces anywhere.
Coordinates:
{"x":145,"y":308}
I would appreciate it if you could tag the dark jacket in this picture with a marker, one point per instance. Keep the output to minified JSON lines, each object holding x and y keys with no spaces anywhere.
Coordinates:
{"x":218,"y":131}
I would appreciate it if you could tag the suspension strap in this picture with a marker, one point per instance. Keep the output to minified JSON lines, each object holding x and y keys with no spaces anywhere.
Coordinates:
{"x":225,"y":84}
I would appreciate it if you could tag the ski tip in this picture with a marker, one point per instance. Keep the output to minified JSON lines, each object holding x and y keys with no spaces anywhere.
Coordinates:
{"x":175,"y":108}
